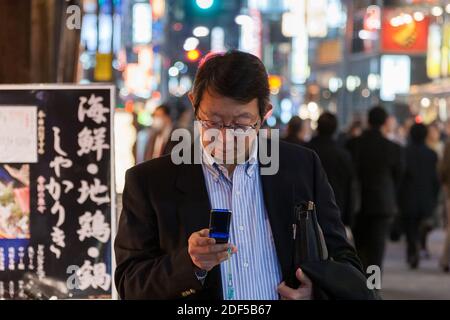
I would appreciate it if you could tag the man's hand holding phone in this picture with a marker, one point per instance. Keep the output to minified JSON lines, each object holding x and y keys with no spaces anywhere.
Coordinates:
{"x":205,"y":253}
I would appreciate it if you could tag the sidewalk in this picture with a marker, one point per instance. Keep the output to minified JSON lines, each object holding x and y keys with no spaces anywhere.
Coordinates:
{"x":426,"y":282}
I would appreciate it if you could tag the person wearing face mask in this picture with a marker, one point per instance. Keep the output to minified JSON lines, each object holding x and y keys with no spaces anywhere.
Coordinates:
{"x":163,"y":246}
{"x":159,"y":133}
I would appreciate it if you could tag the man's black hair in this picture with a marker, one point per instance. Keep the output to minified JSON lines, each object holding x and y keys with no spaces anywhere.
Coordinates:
{"x":327,"y":124}
{"x":294,"y":126}
{"x":237,"y":75}
{"x":377,"y":117}
{"x":418,"y":133}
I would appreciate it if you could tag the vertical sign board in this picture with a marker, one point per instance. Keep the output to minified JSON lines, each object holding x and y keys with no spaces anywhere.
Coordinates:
{"x":56,"y":189}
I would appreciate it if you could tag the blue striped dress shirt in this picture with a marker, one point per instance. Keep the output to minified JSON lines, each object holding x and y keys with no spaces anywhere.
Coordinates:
{"x":255,"y":268}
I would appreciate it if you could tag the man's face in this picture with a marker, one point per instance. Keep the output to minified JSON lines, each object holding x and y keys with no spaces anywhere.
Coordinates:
{"x":219,"y":110}
{"x":389,"y":125}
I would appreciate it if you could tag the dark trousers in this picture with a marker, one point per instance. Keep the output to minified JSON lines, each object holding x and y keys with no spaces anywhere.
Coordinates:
{"x":412,"y":230}
{"x":370,"y":234}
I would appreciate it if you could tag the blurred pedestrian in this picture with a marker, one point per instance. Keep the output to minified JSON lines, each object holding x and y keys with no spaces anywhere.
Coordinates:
{"x":419,"y":190}
{"x":389,"y":129}
{"x":296,"y":131}
{"x":379,"y":167}
{"x":444,"y":172}
{"x":355,"y":129}
{"x":435,"y":143}
{"x":402,"y":138}
{"x":337,"y":164}
{"x":434,"y":140}
{"x":159,"y":133}
{"x":403,"y":131}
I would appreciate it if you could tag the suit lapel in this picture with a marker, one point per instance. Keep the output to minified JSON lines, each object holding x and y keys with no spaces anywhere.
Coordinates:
{"x":193,"y":209}
{"x":193,"y":202}
{"x":278,"y":198}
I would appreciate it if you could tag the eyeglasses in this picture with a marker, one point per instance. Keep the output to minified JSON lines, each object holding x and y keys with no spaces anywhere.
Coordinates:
{"x":236,"y":127}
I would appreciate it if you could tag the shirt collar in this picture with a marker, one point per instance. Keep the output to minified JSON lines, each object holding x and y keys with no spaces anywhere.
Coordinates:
{"x":216,"y":169}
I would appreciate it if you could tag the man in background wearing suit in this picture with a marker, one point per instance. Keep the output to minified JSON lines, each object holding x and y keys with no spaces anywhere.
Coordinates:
{"x":379,"y":167}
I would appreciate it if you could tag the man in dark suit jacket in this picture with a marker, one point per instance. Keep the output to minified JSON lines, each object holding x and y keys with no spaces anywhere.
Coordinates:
{"x":162,"y":246}
{"x":164,"y":203}
{"x":418,"y":190}
{"x":337,"y":163}
{"x":379,"y":166}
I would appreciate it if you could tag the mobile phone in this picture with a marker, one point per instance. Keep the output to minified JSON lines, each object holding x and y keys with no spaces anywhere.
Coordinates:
{"x":219,"y":225}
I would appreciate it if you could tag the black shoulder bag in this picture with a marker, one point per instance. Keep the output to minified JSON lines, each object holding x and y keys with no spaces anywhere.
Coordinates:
{"x":331,"y":279}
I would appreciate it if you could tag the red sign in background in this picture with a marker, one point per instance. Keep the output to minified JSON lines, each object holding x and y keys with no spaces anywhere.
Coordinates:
{"x":406,"y":38}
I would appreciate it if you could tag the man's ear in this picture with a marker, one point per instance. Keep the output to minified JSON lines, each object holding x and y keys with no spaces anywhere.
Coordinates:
{"x":268,"y":112}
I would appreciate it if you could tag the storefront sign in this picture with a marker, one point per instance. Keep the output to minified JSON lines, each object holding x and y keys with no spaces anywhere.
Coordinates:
{"x":56,"y":190}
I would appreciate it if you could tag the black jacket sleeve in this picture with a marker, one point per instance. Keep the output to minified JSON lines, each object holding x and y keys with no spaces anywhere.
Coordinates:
{"x":144,"y":270}
{"x":339,"y":248}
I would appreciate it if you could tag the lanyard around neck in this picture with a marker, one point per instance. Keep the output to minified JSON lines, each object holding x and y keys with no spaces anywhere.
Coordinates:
{"x":230,"y":289}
